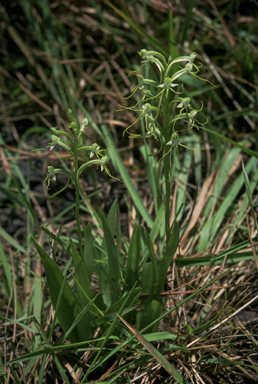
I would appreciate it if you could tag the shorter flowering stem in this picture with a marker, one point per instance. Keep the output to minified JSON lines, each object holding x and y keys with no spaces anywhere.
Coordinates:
{"x":74,"y":146}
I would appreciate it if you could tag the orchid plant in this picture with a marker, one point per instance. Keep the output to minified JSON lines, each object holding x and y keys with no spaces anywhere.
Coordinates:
{"x":121,"y":279}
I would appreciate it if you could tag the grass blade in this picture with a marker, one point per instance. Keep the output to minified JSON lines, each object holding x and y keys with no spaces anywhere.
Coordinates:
{"x":12,"y":241}
{"x":244,"y":149}
{"x":156,"y":354}
{"x":186,"y":26}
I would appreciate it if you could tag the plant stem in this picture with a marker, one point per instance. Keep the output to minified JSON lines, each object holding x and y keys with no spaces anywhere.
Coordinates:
{"x":167,"y":168}
{"x":77,"y":196}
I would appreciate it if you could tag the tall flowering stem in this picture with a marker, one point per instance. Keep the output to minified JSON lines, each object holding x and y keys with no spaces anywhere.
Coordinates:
{"x":157,"y":102}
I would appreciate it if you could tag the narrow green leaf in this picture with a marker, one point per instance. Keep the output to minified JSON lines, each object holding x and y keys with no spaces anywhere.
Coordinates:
{"x":133,"y":259}
{"x":166,"y":262}
{"x":112,"y":216}
{"x":112,"y":273}
{"x":37,"y":298}
{"x":147,"y":286}
{"x":150,"y":271}
{"x":173,"y":241}
{"x":67,"y":309}
{"x":119,"y":242}
{"x":88,"y":250}
{"x":101,"y":271}
{"x":151,"y":313}
{"x":83,"y":287}
{"x":159,"y":336}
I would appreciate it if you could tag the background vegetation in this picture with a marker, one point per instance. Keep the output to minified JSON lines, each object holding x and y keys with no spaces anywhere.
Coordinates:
{"x":203,"y":323}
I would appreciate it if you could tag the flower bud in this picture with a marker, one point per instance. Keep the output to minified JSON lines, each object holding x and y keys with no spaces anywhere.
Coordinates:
{"x":192,"y":57}
{"x":85,"y":122}
{"x":103,"y":162}
{"x":185,"y":103}
{"x":189,"y":67}
{"x":52,"y":172}
{"x":94,"y":149}
{"x":73,"y":125}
